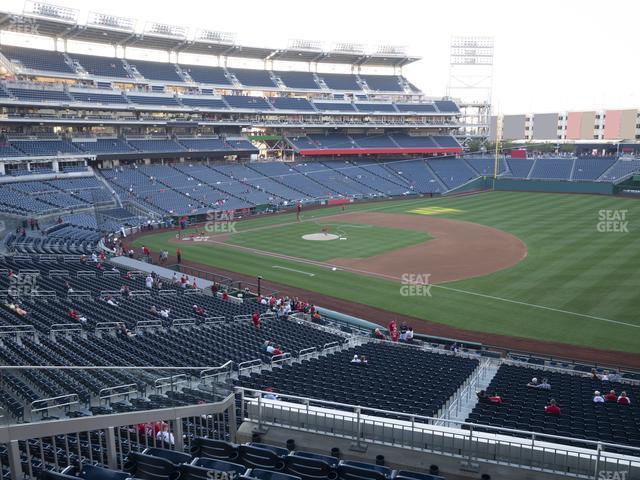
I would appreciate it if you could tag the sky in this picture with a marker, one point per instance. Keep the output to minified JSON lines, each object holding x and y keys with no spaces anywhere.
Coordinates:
{"x":550,"y":55}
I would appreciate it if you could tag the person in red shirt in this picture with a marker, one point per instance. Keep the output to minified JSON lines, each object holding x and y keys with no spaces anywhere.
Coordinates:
{"x":225,"y":296}
{"x":552,"y":408}
{"x":483,"y":397}
{"x":277,"y":350}
{"x":623,"y":399}
{"x":255,"y":318}
{"x":611,"y":396}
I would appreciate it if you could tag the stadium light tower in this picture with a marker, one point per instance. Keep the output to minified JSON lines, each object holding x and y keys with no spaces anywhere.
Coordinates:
{"x":471,"y":82}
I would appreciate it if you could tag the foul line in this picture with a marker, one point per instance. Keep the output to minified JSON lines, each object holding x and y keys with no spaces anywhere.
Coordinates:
{"x":293,"y":270}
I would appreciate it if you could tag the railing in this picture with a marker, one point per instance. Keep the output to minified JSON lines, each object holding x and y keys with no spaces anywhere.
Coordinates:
{"x":46,"y":404}
{"x":148,"y":324}
{"x":307,"y":353}
{"x":64,"y":328}
{"x":17,"y":330}
{"x":107,"y":326}
{"x":80,"y":294}
{"x":215,"y":373}
{"x":470,"y":443}
{"x":183,"y":322}
{"x":249,"y":366}
{"x":86,"y":273}
{"x":106,"y":440}
{"x":171,"y":381}
{"x":211,"y":320}
{"x":118,"y":391}
{"x":567,"y":371}
{"x":281,"y":358}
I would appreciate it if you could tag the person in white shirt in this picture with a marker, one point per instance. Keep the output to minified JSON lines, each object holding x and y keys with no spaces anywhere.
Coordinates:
{"x":165,"y":435}
{"x":111,"y":302}
{"x":597,"y":397}
{"x":94,"y":257}
{"x":409,"y":335}
{"x":164,"y":313}
{"x":148,"y":282}
{"x":270,"y":349}
{"x":264,"y":301}
{"x":355,"y":359}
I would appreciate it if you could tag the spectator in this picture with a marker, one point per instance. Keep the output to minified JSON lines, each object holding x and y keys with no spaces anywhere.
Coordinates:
{"x":198,"y":310}
{"x":17,"y":309}
{"x":483,"y":397}
{"x":597,"y":397}
{"x":409,"y":336}
{"x":225,"y":296}
{"x":148,"y":282}
{"x":356,"y":359}
{"x":615,"y":376}
{"x":533,"y":383}
{"x":165,"y":312}
{"x":179,"y":255}
{"x":277,"y":350}
{"x":269,"y":395}
{"x":611,"y":396}
{"x":255,"y":318}
{"x":552,"y":408}
{"x":94,"y":257}
{"x":75,"y":316}
{"x":364,"y":360}
{"x":164,"y":435}
{"x":594,"y":374}
{"x":623,"y":399}
{"x":317,"y":318}
{"x":111,"y":301}
{"x":153,"y":311}
{"x":378,"y":334}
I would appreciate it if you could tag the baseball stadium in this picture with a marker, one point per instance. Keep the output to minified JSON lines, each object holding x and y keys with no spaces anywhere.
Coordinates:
{"x":224,"y":260}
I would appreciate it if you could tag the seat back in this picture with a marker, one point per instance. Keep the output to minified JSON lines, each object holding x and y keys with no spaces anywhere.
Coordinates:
{"x":148,"y":467}
{"x":218,"y":449}
{"x":309,"y":468}
{"x":174,"y":457}
{"x":260,"y":474}
{"x":91,"y":472}
{"x":408,"y":475}
{"x":256,"y":457}
{"x":350,"y":472}
{"x":48,"y":475}
{"x":219,"y":465}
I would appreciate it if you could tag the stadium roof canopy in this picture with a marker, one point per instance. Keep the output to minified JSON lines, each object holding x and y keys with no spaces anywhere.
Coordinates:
{"x":62,"y":22}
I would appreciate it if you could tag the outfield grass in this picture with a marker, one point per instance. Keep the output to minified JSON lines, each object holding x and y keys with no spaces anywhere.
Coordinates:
{"x":576,"y":285}
{"x":363,"y":240}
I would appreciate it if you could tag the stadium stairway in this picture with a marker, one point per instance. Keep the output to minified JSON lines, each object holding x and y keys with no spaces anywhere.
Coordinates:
{"x":466,"y":399}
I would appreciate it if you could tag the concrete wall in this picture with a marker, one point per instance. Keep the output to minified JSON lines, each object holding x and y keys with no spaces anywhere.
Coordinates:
{"x":554,"y":186}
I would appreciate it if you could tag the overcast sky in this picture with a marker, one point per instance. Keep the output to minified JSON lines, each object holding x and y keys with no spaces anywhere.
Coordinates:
{"x":550,"y":55}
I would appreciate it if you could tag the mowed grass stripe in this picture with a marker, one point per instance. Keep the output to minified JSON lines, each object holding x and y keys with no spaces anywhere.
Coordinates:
{"x":567,"y":259}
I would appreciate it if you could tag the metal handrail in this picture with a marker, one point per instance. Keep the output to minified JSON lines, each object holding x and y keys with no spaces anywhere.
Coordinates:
{"x":281,"y":358}
{"x":14,"y":329}
{"x":74,"y":399}
{"x":86,"y":273}
{"x":225,"y":368}
{"x":425,"y":420}
{"x":148,"y":324}
{"x":132,"y":388}
{"x":107,"y":326}
{"x":249,"y":365}
{"x":307,"y":352}
{"x":58,"y":273}
{"x":65,"y":327}
{"x":183,"y":322}
{"x":211,"y":320}
{"x":170,"y":381}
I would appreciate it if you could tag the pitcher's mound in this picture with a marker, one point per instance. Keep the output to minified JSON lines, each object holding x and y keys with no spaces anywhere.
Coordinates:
{"x":320,"y":237}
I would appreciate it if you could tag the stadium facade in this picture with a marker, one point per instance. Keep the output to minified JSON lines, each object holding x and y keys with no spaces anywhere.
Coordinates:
{"x":577,"y":126}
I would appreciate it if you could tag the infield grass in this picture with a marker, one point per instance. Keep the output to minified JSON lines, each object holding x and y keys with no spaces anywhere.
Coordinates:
{"x":577,"y":285}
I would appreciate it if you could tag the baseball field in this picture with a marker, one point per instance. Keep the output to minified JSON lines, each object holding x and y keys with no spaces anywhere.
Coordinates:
{"x":557,"y":268}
